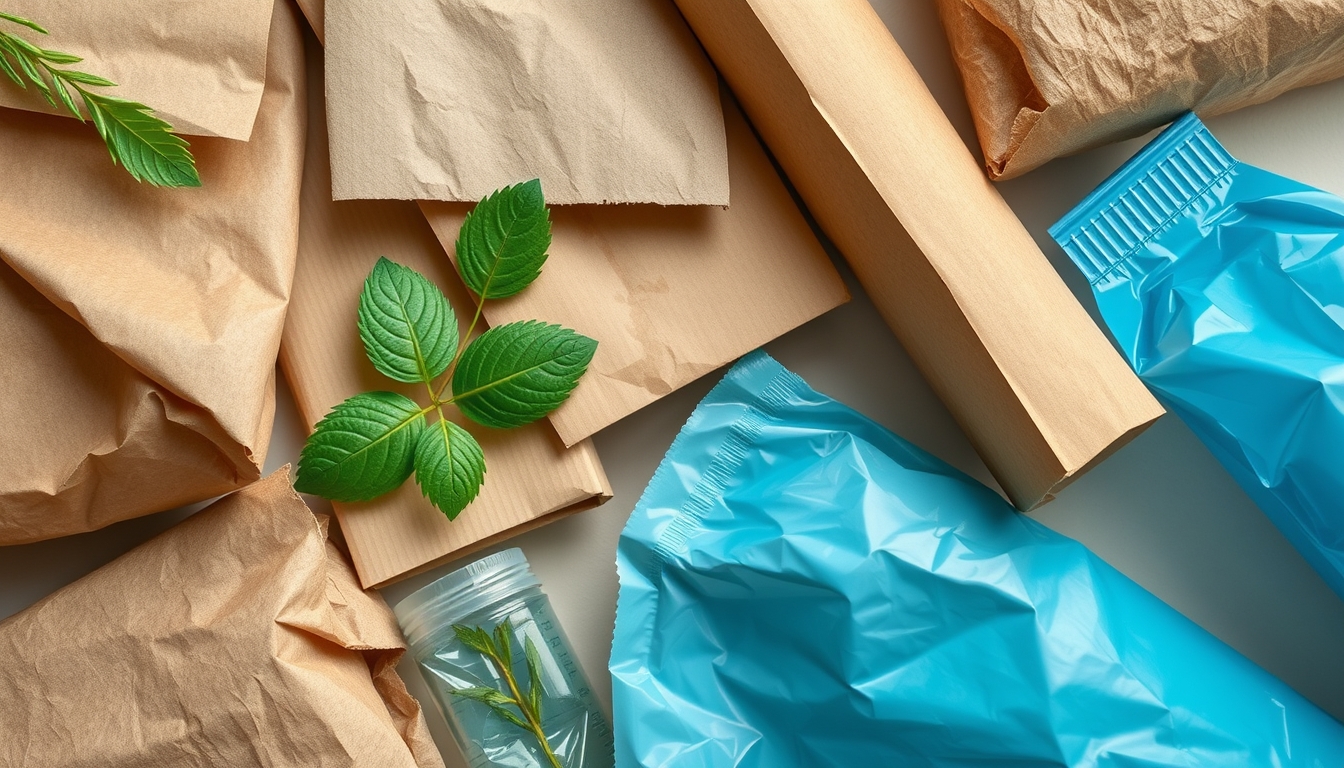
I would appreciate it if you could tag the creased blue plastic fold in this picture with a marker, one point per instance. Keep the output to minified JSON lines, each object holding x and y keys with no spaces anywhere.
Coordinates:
{"x":1224,"y":285}
{"x":802,"y":588}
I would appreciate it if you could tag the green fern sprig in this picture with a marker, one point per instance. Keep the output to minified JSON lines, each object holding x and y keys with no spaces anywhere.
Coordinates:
{"x":137,"y":140}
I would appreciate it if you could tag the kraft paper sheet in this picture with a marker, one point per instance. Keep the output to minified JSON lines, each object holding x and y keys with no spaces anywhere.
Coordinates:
{"x":606,"y":101}
{"x":1037,"y":388}
{"x":670,"y":293}
{"x":238,"y":637}
{"x":531,"y":479}
{"x":139,"y":326}
{"x":1050,"y":78}
{"x":200,"y":65}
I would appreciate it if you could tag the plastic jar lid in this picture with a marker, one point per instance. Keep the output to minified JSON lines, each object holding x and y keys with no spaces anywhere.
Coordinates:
{"x":461,"y":593}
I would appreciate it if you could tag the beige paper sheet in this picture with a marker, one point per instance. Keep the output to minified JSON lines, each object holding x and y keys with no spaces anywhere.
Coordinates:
{"x":1037,"y":388}
{"x":531,"y":479}
{"x":200,"y":65}
{"x":1049,"y":78}
{"x":141,"y":325}
{"x":670,"y":293}
{"x":606,"y":101}
{"x":238,"y":637}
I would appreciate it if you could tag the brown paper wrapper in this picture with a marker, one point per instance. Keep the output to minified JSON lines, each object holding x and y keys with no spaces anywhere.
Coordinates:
{"x":531,"y":478}
{"x":607,"y":101}
{"x":1047,"y":79}
{"x":200,"y":66}
{"x":1038,"y":389}
{"x":238,"y":637}
{"x":140,"y":326}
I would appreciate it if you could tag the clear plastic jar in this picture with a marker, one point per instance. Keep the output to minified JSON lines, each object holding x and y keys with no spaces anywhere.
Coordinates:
{"x":485,"y":595}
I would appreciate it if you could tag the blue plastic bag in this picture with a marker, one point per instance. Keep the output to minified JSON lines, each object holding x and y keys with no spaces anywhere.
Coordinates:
{"x":1224,"y":285}
{"x":800,"y":588}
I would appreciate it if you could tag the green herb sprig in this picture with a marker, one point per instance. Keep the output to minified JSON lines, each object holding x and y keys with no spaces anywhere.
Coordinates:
{"x":499,"y":650}
{"x":509,"y":376}
{"x":140,"y":142}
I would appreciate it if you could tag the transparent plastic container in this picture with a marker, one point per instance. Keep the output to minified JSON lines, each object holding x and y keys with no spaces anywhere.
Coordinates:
{"x":485,"y":595}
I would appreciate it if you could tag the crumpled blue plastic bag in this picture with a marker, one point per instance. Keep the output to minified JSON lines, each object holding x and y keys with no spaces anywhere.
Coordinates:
{"x":1224,"y":285}
{"x":801,"y":588}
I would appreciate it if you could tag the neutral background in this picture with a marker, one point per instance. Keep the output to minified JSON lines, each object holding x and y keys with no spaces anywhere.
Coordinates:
{"x":1161,"y":510}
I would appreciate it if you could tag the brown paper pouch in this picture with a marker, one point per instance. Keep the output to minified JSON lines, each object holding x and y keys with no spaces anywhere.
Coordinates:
{"x":201,"y":66}
{"x":1038,"y":389}
{"x":1047,"y":79}
{"x":140,"y":325}
{"x":531,"y":478}
{"x":238,"y":637}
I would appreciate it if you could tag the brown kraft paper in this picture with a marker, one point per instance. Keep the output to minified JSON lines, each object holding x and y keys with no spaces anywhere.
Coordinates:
{"x":531,"y":479}
{"x":1047,"y":79}
{"x":1033,"y":382}
{"x":139,"y":326}
{"x":607,"y":101}
{"x":238,"y":637}
{"x":201,"y":66}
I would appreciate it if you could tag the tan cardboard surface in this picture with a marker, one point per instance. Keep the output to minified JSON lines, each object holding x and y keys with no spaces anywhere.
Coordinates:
{"x":530,"y":479}
{"x":604,"y":100}
{"x":670,"y":293}
{"x":1038,"y":389}
{"x":140,"y":325}
{"x":238,"y":637}
{"x":200,"y":65}
{"x":1047,"y":79}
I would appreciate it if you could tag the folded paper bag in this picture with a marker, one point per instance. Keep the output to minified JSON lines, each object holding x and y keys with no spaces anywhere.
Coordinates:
{"x":1047,"y":79}
{"x":201,"y":66}
{"x":238,"y":637}
{"x":139,"y":326}
{"x":1038,"y":390}
{"x":532,"y":478}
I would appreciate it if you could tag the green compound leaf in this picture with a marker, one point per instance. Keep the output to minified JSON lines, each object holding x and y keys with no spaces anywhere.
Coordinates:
{"x":142,"y":143}
{"x":517,"y":373}
{"x":409,"y":330}
{"x":362,"y":449}
{"x":450,"y":468}
{"x":503,"y":241}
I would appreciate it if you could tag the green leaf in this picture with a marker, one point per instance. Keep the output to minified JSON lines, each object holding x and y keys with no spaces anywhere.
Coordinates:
{"x":504,"y":642}
{"x":362,"y":449}
{"x":517,"y":373}
{"x":409,"y":331}
{"x":20,"y":20}
{"x":512,"y":718}
{"x":69,"y":103}
{"x":474,"y":638}
{"x":483,"y":695}
{"x":9,"y":69}
{"x":534,"y":690}
{"x":56,"y":57}
{"x":142,"y":143}
{"x":503,"y":241}
{"x":449,"y":467}
{"x":75,"y":76}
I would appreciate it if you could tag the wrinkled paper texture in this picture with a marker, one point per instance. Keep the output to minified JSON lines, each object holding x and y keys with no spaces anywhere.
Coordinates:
{"x":238,"y":637}
{"x":201,"y":66}
{"x":139,"y":326}
{"x":606,"y":101}
{"x":1047,"y":78}
{"x":670,"y":293}
{"x":531,"y":479}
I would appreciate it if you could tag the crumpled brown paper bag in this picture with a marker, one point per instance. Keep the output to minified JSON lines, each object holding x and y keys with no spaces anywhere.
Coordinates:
{"x":201,"y":66}
{"x":139,"y":326}
{"x":238,"y":637}
{"x":1047,"y":78}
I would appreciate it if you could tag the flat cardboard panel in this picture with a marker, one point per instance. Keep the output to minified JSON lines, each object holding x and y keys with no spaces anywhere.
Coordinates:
{"x":1038,"y":389}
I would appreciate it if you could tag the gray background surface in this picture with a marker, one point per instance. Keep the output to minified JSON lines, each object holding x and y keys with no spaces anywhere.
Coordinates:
{"x":1161,"y":509}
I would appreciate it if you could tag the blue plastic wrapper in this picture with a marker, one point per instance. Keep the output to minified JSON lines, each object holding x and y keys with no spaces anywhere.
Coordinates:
{"x":1224,"y":285}
{"x":801,"y":588}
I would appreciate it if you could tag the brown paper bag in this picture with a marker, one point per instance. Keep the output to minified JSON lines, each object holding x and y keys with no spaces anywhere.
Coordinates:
{"x":607,"y":101}
{"x":530,"y":480}
{"x":140,"y":326}
{"x":1039,"y":391}
{"x":1047,"y":79}
{"x":200,"y":66}
{"x":238,"y":637}
{"x":671,"y":293}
